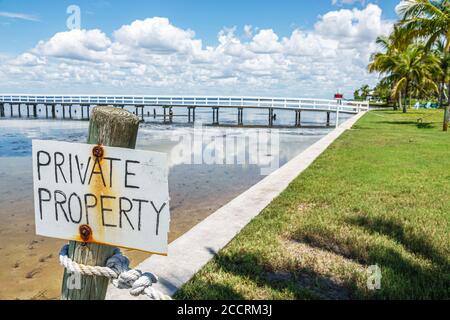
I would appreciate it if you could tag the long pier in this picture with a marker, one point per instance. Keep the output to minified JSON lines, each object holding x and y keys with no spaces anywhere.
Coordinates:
{"x":66,"y":104}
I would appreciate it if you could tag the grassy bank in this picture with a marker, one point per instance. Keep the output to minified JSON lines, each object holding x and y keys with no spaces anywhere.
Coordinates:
{"x":379,"y":195}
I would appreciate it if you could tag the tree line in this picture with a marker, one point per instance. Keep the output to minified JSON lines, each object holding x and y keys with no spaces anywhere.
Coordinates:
{"x":414,"y":59}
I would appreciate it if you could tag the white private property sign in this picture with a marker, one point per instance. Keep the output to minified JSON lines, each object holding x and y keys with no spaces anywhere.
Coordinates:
{"x":120,"y":195}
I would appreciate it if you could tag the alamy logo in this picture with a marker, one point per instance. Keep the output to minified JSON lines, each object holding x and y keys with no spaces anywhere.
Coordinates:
{"x":74,"y":20}
{"x":74,"y":281}
{"x":374,"y":277}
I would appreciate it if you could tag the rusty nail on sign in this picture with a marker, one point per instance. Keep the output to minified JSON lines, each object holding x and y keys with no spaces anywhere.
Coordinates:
{"x":97,"y":151}
{"x":85,"y":232}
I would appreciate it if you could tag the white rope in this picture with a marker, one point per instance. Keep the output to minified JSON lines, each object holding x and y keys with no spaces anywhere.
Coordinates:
{"x":117,"y":269}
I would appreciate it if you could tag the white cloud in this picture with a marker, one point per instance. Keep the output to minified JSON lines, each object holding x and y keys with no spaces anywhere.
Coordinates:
{"x":28,"y":59}
{"x":20,"y":16}
{"x":153,"y":56}
{"x":265,"y":41}
{"x":75,"y":44}
{"x":347,"y":2}
{"x":157,"y":34}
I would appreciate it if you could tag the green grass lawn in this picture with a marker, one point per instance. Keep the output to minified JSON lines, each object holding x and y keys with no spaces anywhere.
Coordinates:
{"x":379,"y":195}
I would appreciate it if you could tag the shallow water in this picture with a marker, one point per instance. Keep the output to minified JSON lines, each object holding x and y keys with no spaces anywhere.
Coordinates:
{"x":200,"y":182}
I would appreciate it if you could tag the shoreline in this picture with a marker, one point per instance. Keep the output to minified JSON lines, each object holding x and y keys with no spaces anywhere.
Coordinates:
{"x":190,"y":252}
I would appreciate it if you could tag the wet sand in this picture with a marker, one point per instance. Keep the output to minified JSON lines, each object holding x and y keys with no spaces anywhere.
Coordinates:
{"x":29,"y":267}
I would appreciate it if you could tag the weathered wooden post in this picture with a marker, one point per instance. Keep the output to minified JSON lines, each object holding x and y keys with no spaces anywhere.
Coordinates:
{"x":337,"y":116}
{"x":114,"y":127}
{"x":2,"y":110}
{"x":19,"y":111}
{"x":34,"y":110}
{"x":53,"y":111}
{"x":328,"y":118}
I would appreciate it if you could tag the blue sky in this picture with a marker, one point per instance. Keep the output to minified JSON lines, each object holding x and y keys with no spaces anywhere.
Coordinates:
{"x":24,"y":23}
{"x":205,"y":17}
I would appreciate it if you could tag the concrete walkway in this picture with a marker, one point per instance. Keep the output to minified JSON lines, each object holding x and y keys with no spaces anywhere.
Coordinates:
{"x":190,"y":252}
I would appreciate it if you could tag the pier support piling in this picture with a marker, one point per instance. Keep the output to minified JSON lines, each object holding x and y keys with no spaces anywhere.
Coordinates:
{"x":215,"y":116}
{"x":19,"y":111}
{"x":270,"y":117}
{"x":35,"y":110}
{"x":2,"y":110}
{"x":298,"y":118}
{"x":240,"y":116}
{"x":328,"y":118}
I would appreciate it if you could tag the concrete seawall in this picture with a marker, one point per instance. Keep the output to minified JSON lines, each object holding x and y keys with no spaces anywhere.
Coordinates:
{"x":190,"y":252}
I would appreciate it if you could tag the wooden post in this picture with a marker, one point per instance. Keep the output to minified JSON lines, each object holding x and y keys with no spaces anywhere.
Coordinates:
{"x":2,"y":110}
{"x":11,"y":110}
{"x":34,"y":110}
{"x":337,"y":116}
{"x":19,"y":111}
{"x":114,"y":127}
{"x":53,"y":111}
{"x":328,"y":118}
{"x":28,"y":110}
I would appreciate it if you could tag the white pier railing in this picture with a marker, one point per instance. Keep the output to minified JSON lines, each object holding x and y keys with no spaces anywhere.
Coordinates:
{"x":190,"y":101}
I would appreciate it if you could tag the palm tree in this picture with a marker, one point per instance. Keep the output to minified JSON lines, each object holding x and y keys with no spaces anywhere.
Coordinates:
{"x":429,"y":20}
{"x":365,"y":91}
{"x":383,"y":61}
{"x":407,"y":71}
{"x":442,"y":75}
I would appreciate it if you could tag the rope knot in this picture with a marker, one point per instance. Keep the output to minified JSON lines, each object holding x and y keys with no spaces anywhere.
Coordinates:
{"x":117,"y":269}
